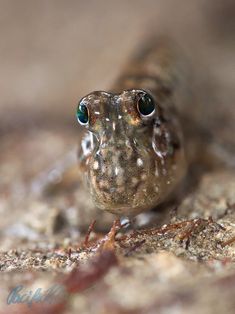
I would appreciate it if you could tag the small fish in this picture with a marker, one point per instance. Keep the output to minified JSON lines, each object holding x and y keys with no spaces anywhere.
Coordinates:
{"x":133,"y":153}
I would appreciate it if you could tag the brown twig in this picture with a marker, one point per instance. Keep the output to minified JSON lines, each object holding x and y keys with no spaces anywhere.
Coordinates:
{"x":90,"y":229}
{"x":228,"y":242}
{"x":187,"y":226}
{"x":135,"y":247}
{"x":107,"y":243}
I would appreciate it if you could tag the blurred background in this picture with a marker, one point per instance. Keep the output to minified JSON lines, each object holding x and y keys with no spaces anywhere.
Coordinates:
{"x":54,"y":52}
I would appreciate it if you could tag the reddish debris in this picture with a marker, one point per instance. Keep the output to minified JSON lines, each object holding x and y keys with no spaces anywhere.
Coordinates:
{"x":186,"y":229}
{"x":135,"y":247}
{"x":80,"y":279}
{"x":228,"y":242}
{"x":107,"y":243}
{"x":90,"y":229}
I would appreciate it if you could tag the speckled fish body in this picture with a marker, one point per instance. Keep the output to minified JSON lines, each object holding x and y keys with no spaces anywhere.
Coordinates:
{"x":131,"y":162}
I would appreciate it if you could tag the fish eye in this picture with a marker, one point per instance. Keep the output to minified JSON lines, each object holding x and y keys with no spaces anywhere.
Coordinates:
{"x":82,"y":114}
{"x":145,"y":104}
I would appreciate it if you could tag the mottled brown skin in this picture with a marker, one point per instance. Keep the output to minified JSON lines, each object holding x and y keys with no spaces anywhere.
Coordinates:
{"x":131,"y":163}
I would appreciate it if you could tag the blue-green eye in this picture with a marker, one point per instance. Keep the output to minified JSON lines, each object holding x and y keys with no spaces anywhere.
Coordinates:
{"x":82,"y":114}
{"x":145,"y":104}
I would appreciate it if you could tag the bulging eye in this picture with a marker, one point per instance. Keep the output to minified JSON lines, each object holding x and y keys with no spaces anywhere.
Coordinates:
{"x":145,"y":104}
{"x":82,"y":114}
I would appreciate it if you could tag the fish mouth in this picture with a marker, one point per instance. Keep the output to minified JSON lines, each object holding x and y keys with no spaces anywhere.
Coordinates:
{"x":131,"y":198}
{"x":123,"y":209}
